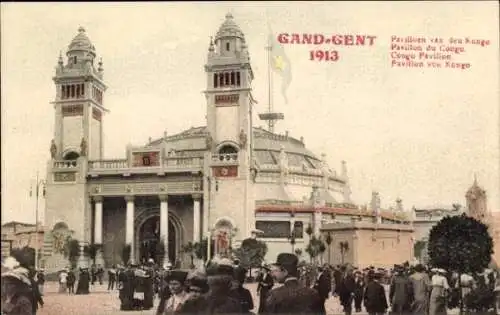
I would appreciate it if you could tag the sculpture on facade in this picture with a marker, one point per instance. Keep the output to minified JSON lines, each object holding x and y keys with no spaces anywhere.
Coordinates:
{"x":83,"y":147}
{"x":53,"y":149}
{"x":243,"y":138}
{"x":209,"y":141}
{"x":222,"y":243}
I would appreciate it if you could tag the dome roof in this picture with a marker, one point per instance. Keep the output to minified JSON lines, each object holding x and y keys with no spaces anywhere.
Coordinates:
{"x":267,"y":146}
{"x":81,"y":42}
{"x":229,"y":29}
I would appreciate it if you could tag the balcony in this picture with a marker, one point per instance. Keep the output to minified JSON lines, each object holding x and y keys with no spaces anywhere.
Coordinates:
{"x":108,"y":164}
{"x":65,"y":165}
{"x":168,"y":165}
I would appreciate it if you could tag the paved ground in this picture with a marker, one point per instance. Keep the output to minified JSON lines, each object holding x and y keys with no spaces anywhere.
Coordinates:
{"x":102,"y":302}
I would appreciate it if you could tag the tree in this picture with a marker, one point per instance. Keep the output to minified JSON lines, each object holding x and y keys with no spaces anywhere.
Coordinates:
{"x":418,"y":247}
{"x":328,"y":241}
{"x":315,"y":247}
{"x":251,"y":253}
{"x":91,"y":251}
{"x":126,"y":252}
{"x":309,"y":230}
{"x":72,"y":251}
{"x":460,"y":244}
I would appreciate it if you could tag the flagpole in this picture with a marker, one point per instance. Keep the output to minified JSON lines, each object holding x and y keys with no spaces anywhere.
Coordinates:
{"x":36,"y":223}
{"x":270,"y":122}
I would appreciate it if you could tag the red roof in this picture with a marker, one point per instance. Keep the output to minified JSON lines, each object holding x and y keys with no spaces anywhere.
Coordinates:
{"x":331,"y":210}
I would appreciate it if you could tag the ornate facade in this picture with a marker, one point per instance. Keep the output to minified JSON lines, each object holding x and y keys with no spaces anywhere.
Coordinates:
{"x":220,"y":181}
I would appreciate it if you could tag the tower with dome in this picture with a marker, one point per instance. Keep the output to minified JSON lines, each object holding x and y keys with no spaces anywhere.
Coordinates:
{"x":223,"y":181}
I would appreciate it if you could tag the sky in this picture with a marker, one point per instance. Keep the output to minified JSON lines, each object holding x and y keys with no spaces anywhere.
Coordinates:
{"x":418,"y":134}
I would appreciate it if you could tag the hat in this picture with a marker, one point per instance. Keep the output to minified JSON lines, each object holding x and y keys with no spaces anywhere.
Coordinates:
{"x":176,"y":275}
{"x":215,"y":269}
{"x":199,"y":282}
{"x":287,"y":260}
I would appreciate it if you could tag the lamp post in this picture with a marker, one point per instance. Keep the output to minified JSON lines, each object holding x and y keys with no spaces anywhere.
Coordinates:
{"x":39,"y":190}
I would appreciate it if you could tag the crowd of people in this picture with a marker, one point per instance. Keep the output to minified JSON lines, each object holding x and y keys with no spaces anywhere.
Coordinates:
{"x":283,"y":287}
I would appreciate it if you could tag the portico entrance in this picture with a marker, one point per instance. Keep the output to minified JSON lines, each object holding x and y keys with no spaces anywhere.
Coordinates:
{"x":148,"y":240}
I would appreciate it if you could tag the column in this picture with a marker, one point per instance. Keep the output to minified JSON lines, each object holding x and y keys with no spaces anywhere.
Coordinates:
{"x":317,"y":217}
{"x":196,"y":218}
{"x":129,"y":226}
{"x":164,"y":225}
{"x":98,"y":220}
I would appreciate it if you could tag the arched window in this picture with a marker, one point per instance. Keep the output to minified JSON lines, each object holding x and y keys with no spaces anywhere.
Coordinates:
{"x":216,"y":80}
{"x":228,"y":46}
{"x":60,"y":226}
{"x":72,"y":155}
{"x":228,"y":149}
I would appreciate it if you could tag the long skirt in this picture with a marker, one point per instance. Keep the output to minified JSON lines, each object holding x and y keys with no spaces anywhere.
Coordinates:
{"x":62,"y":287}
{"x":40,"y":289}
{"x":437,"y":303}
{"x":420,"y":307}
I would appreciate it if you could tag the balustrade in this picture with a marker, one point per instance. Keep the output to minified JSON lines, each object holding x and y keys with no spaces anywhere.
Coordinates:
{"x":225,"y":158}
{"x":171,"y":163}
{"x":108,"y":164}
{"x":65,"y":164}
{"x":183,"y":162}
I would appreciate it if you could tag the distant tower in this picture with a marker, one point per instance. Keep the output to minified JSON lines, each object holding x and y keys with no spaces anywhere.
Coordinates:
{"x":79,"y":100}
{"x":229,"y":126}
{"x":477,"y":203}
{"x":375,"y":207}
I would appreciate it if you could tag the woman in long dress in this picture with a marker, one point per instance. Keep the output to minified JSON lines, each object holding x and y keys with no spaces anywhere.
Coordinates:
{"x":439,"y":291}
{"x":63,"y":280}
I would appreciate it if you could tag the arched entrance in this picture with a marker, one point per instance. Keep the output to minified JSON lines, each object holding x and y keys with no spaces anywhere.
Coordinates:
{"x":148,"y":238}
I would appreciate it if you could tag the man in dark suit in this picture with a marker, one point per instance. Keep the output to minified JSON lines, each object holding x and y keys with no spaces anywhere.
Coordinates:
{"x":265,"y":285}
{"x":323,"y":287}
{"x":292,"y":297}
{"x":375,"y":300}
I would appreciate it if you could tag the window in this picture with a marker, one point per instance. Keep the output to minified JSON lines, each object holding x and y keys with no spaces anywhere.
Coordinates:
{"x":233,"y":81}
{"x":75,"y":60}
{"x":228,"y":149}
{"x":71,"y":156}
{"x":274,"y":229}
{"x":227,"y":46}
{"x":265,"y":157}
{"x":226,"y":77}
{"x":221,"y":79}
{"x":238,"y":79}
{"x":298,"y":229}
{"x":216,"y":80}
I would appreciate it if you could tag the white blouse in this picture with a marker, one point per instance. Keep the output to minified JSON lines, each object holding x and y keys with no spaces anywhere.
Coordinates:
{"x":439,"y":281}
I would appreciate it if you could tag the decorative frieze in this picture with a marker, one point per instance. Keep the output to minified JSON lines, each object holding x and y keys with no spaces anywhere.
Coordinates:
{"x":115,"y":189}
{"x":65,"y":177}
